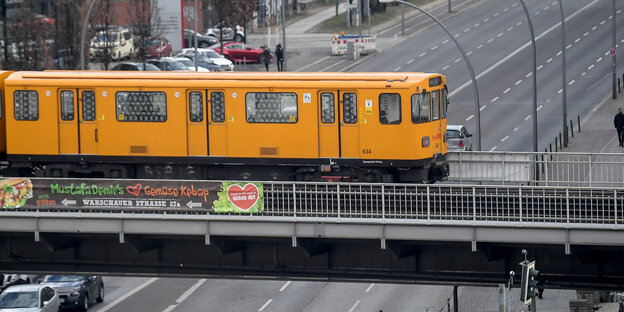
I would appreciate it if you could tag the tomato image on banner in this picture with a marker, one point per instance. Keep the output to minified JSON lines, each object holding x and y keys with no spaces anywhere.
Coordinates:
{"x":240,"y":197}
{"x":14,"y":192}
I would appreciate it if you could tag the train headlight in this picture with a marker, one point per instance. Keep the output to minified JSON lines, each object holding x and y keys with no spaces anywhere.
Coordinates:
{"x":426,"y":141}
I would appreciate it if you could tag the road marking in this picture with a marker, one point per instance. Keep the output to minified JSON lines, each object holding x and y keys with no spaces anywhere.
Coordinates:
{"x":598,"y":60}
{"x":467,"y":29}
{"x":170,"y":308}
{"x":504,"y":139}
{"x":499,"y":35}
{"x":577,"y":40}
{"x":482,"y":107}
{"x":422,"y":54}
{"x":445,"y":41}
{"x":493,"y":100}
{"x":456,"y":35}
{"x":354,"y":306}
{"x":506,"y":90}
{"x":332,"y":65}
{"x":446,"y":67}
{"x":493,"y":148}
{"x":479,"y":46}
{"x":539,"y":107}
{"x":594,"y":28}
{"x":618,"y":12}
{"x":469,"y":52}
{"x":266,"y":304}
{"x":529,"y":74}
{"x":549,"y":60}
{"x":546,"y":7}
{"x":457,"y":60}
{"x":486,"y":20}
{"x":491,"y":39}
{"x":322,"y":59}
{"x":469,"y":117}
{"x":607,"y":53}
{"x":540,"y":67}
{"x":285,"y":285}
{"x":518,"y":82}
{"x":128,"y":294}
{"x":514,"y":5}
{"x":590,"y":67}
{"x":603,"y":21}
{"x":560,"y":90}
{"x":397,"y":69}
{"x":370,"y":287}
{"x":569,"y":45}
{"x":497,"y":14}
{"x":571,"y":82}
{"x":558,"y":53}
{"x":527,"y":44}
{"x":516,"y":128}
{"x":518,"y":23}
{"x":410,"y":61}
{"x":476,"y":25}
{"x":585,"y":34}
{"x":527,"y":117}
{"x":505,"y":9}
{"x":537,"y":13}
{"x":434,"y":47}
{"x":610,"y":16}
{"x":190,"y":291}
{"x":583,"y":74}
{"x":510,"y":29}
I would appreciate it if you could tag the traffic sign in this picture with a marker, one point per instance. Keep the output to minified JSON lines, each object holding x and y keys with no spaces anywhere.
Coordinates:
{"x":612,"y":51}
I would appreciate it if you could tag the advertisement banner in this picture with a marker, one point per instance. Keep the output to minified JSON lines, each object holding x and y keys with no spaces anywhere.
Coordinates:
{"x":84,"y":194}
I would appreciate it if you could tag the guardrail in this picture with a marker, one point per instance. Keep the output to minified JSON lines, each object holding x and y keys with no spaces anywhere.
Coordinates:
{"x":549,"y":169}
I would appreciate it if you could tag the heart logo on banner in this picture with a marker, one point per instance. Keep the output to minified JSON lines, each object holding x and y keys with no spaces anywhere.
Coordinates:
{"x":243,"y":197}
{"x":134,"y":190}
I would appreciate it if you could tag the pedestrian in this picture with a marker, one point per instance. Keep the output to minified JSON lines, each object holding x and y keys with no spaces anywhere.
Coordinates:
{"x":279,"y":55}
{"x":267,"y":56}
{"x":618,"y":122}
{"x":540,"y":292}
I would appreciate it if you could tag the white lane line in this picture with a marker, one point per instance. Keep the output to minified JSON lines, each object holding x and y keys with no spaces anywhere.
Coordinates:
{"x":469,"y":52}
{"x":322,"y":59}
{"x":422,"y":54}
{"x":560,"y":90}
{"x":370,"y":287}
{"x":486,"y":20}
{"x":493,"y":100}
{"x":618,"y":12}
{"x":527,"y":44}
{"x":469,"y":117}
{"x":598,"y":60}
{"x":577,"y":40}
{"x":549,"y":60}
{"x":558,"y":53}
{"x":332,"y":65}
{"x":285,"y":285}
{"x":594,"y":28}
{"x":476,"y":25}
{"x":571,"y":82}
{"x":190,"y":291}
{"x":490,"y":40}
{"x":506,"y":90}
{"x":518,"y":82}
{"x":467,"y":29}
{"x":585,"y":34}
{"x":457,"y":60}
{"x":446,"y":67}
{"x":493,"y":148}
{"x":434,"y":47}
{"x":510,"y":29}
{"x":516,"y":128}
{"x":603,"y":21}
{"x":266,"y":304}
{"x":497,"y":14}
{"x":529,"y":74}
{"x":397,"y":69}
{"x":527,"y":117}
{"x":569,"y":45}
{"x":410,"y":61}
{"x":537,"y":13}
{"x":128,"y":294}
{"x":482,"y":107}
{"x":546,"y":7}
{"x":518,"y":23}
{"x":504,"y":139}
{"x":499,"y":35}
{"x":445,"y":41}
{"x":539,"y":107}
{"x":540,"y":67}
{"x":354,"y":306}
{"x":456,"y":35}
{"x":514,"y":5}
{"x":590,"y":67}
{"x":170,"y":308}
{"x":583,"y":74}
{"x":479,"y":46}
{"x":505,"y":9}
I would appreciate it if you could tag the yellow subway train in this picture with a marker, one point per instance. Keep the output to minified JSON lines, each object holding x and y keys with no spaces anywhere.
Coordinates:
{"x":367,"y":127}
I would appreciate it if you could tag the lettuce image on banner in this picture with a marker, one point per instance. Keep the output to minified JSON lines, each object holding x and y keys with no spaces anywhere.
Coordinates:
{"x":240,"y":197}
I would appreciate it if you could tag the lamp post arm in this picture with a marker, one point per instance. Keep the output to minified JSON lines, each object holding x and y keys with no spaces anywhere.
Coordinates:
{"x":84,"y":33}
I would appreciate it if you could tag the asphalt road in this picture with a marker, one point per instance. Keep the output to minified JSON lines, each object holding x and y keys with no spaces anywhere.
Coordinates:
{"x":495,"y":35}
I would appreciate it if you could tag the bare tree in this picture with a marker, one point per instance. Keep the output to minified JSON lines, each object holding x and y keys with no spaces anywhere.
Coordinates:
{"x":68,"y":30}
{"x":29,"y":37}
{"x":232,"y":13}
{"x":104,"y":22}
{"x":146,"y":17}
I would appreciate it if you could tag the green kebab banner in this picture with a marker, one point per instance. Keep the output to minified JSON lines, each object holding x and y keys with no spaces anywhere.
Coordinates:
{"x":218,"y":197}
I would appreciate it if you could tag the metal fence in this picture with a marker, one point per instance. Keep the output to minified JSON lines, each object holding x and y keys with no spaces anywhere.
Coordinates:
{"x":549,"y":169}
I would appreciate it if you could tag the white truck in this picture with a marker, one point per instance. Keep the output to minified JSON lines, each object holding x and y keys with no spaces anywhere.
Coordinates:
{"x":116,"y":43}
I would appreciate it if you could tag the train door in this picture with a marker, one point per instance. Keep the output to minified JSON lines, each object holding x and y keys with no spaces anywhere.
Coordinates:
{"x":438,"y":122}
{"x":349,"y":130}
{"x":329,"y":131}
{"x":197,"y":136}
{"x":87,"y":130}
{"x":217,"y":125}
{"x":68,"y":125}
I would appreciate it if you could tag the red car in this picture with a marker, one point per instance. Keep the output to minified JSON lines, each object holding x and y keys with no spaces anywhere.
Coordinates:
{"x":155,"y":47}
{"x":240,"y":52}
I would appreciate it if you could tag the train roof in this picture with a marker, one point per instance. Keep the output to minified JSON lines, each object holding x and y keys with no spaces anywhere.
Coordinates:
{"x":281,"y":76}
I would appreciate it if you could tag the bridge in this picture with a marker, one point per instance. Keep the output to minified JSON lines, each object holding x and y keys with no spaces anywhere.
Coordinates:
{"x":446,"y":233}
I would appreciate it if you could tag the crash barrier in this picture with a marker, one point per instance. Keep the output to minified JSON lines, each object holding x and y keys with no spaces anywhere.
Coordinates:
{"x":367,"y":44}
{"x":548,"y":169}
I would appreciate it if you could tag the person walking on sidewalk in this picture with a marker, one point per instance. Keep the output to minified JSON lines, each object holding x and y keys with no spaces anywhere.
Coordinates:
{"x":267,"y":57}
{"x":279,"y":55}
{"x":618,"y":122}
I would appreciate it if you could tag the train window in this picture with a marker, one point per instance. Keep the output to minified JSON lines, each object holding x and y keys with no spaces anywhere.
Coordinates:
{"x":26,"y":103}
{"x":349,"y":108}
{"x":435,"y":104}
{"x":421,"y":108}
{"x":196,"y":106}
{"x":217,"y":100}
{"x":328,"y":111}
{"x":445,"y":102}
{"x":67,"y":105}
{"x":271,"y":107}
{"x":390,"y":108}
{"x":88,"y":105}
{"x":141,"y":106}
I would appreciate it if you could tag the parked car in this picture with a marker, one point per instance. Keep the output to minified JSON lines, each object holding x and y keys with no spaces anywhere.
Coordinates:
{"x":7,"y":280}
{"x":166,"y":64}
{"x":29,"y":298}
{"x":76,"y":291}
{"x":202,"y":61}
{"x":202,"y":41}
{"x":190,"y":64}
{"x":229,"y":34}
{"x":225,"y":64}
{"x":240,"y":52}
{"x":117,"y":43}
{"x":458,"y":138}
{"x":135,"y":66}
{"x":155,"y":47}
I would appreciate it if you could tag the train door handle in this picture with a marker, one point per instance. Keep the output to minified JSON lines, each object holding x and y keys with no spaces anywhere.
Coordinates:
{"x":96,"y":135}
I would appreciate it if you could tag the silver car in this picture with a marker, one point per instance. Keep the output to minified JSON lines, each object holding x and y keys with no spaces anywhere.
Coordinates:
{"x":29,"y":298}
{"x":458,"y":138}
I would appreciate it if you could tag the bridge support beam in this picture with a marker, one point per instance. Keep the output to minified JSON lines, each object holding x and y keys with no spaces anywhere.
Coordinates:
{"x":54,"y":242}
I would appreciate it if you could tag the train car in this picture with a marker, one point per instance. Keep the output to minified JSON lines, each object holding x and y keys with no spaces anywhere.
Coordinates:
{"x":263,"y":126}
{"x":3,"y":75}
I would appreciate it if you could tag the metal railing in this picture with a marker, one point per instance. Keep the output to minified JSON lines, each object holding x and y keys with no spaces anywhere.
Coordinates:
{"x":549,"y":169}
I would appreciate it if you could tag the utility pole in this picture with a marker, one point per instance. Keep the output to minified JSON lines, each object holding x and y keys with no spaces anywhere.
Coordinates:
{"x":284,"y":34}
{"x":564,"y":84}
{"x":195,"y":44}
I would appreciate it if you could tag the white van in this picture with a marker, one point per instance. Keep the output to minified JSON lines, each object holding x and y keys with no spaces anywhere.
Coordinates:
{"x":117,"y":43}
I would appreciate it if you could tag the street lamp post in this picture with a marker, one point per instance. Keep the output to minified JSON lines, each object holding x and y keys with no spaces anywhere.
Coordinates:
{"x":526,"y":12}
{"x":472,"y":75}
{"x":84,"y":33}
{"x":564,"y":84}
